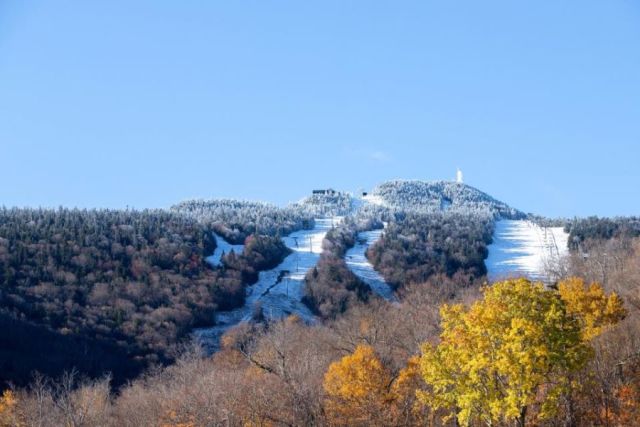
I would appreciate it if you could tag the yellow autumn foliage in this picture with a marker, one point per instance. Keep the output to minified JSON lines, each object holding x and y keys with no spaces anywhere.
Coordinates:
{"x":595,"y":310}
{"x":356,"y":386}
{"x":510,"y":351}
{"x":403,"y":391}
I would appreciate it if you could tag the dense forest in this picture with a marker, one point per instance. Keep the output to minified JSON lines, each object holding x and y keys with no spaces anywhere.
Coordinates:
{"x":511,"y":354}
{"x":584,"y":231}
{"x":440,"y":196}
{"x":108,"y":294}
{"x":237,"y":219}
{"x":332,"y":203}
{"x":259,"y":253}
{"x":415,"y":247}
{"x":330,"y":287}
{"x":131,"y":283}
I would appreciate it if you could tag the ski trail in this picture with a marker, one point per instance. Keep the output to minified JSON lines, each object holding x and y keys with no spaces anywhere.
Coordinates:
{"x":522,"y":248}
{"x":222,"y":247}
{"x":279,"y":291}
{"x":358,"y":263}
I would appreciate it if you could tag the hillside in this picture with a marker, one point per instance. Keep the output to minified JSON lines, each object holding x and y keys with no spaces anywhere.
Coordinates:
{"x":125,"y":282}
{"x":237,"y":219}
{"x":119,"y":291}
{"x":326,"y":203}
{"x":437,"y":196}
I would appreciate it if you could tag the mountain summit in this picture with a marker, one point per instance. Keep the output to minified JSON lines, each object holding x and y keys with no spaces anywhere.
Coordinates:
{"x":434,"y":196}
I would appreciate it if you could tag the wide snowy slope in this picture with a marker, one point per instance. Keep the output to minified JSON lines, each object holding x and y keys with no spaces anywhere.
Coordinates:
{"x":523,"y":248}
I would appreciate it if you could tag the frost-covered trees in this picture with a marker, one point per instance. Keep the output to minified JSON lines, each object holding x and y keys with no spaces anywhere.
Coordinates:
{"x":440,"y":196}
{"x":334,"y":203}
{"x":584,"y":231}
{"x":236,"y":219}
{"x":330,"y":287}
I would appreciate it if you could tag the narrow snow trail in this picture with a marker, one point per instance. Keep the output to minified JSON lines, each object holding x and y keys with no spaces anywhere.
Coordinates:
{"x":278,"y":291}
{"x":358,"y":263}
{"x":522,"y":248}
{"x":222,"y":247}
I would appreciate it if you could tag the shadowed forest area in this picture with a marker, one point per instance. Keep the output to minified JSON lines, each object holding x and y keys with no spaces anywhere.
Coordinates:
{"x":112,"y":291}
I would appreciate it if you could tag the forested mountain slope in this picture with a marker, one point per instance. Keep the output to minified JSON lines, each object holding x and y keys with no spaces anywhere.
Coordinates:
{"x":236,"y":219}
{"x":583,"y":232}
{"x":437,"y":196}
{"x":134,"y":280}
{"x":330,"y":203}
{"x":417,"y":246}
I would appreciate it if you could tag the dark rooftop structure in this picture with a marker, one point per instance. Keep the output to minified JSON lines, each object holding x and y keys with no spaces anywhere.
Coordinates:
{"x":327,"y":192}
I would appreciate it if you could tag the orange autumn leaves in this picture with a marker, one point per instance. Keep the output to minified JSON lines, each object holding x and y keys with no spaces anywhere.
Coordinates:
{"x":362,"y":391}
{"x":7,"y":405}
{"x":357,"y":385}
{"x":506,"y":357}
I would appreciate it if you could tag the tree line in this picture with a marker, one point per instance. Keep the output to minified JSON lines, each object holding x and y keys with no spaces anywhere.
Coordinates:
{"x":237,"y":219}
{"x":583,"y":231}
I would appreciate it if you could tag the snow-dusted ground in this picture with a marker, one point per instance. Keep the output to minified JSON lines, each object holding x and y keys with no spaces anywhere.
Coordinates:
{"x":278,"y":298}
{"x":522,"y":248}
{"x":358,"y":263}
{"x":374,"y":200}
{"x":223,"y":247}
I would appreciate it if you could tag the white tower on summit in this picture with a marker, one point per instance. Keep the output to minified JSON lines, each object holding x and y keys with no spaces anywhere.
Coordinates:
{"x":459,"y":176}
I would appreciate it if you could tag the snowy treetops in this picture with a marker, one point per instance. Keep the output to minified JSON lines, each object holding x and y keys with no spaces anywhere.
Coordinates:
{"x":442,"y":196}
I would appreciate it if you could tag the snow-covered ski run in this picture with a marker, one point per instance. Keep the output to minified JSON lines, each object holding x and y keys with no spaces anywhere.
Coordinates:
{"x":279,"y":291}
{"x":358,"y":263}
{"x":523,"y":248}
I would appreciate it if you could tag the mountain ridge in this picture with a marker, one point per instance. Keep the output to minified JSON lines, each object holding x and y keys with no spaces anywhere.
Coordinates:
{"x":433,"y":196}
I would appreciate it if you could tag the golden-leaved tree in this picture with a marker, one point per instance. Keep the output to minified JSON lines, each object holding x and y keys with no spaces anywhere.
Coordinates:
{"x":512,"y":350}
{"x":595,"y":310}
{"x":7,"y":405}
{"x":360,"y":390}
{"x":357,"y":389}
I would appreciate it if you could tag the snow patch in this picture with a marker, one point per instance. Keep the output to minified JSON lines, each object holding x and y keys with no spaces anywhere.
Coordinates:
{"x":375,"y":200}
{"x":222,"y":247}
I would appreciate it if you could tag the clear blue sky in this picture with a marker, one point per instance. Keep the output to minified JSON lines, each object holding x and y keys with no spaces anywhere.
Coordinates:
{"x":146,"y":103}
